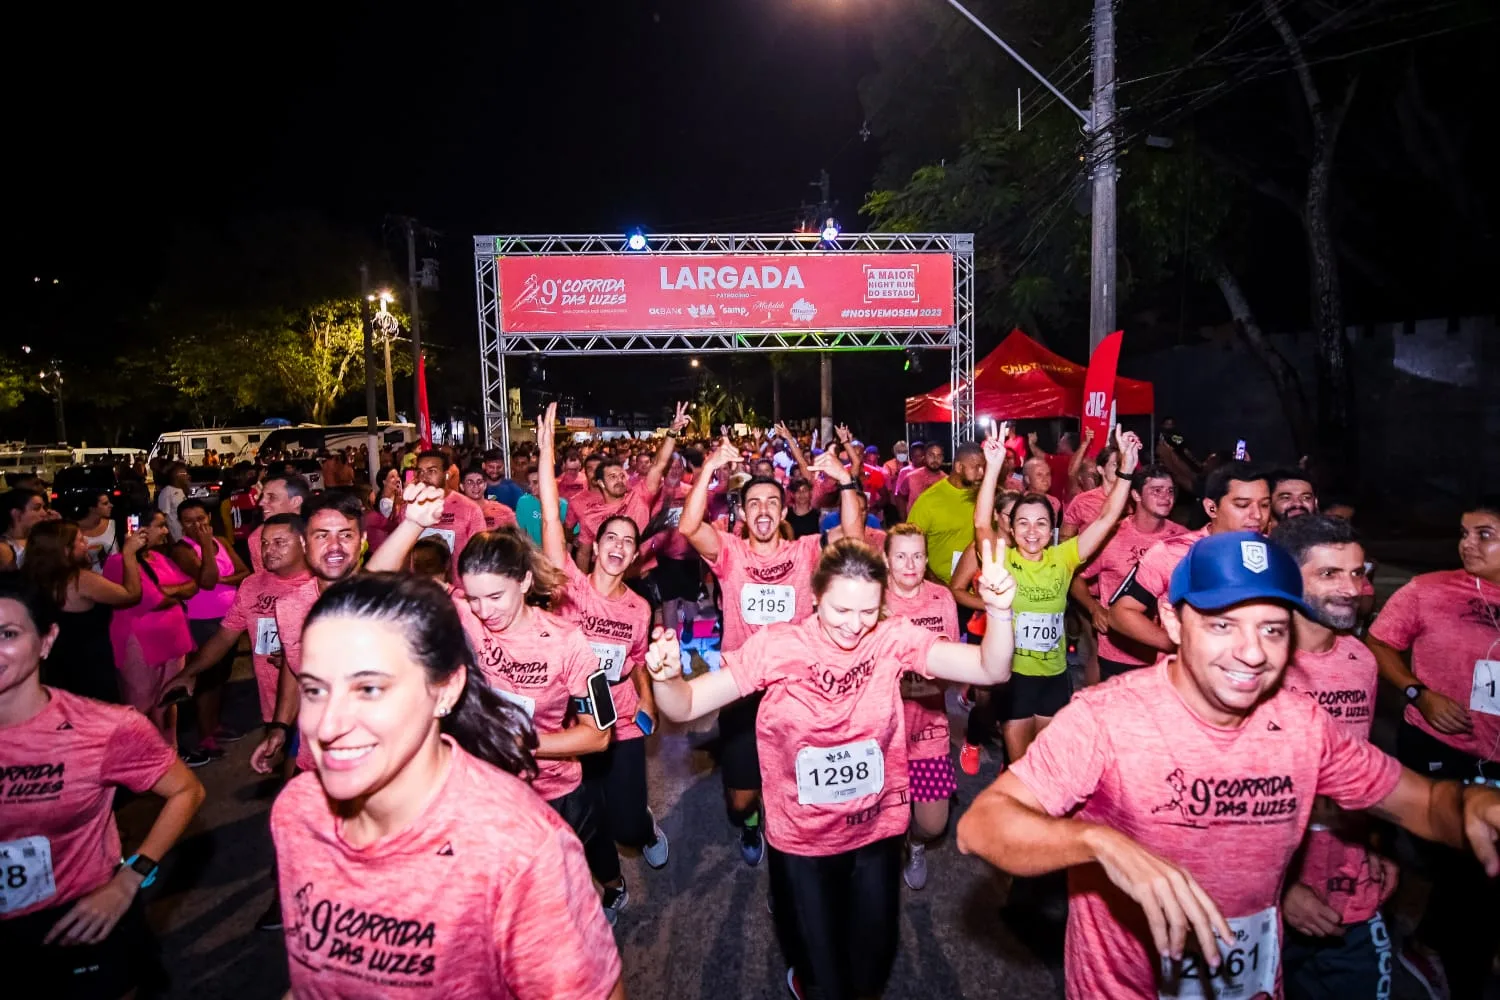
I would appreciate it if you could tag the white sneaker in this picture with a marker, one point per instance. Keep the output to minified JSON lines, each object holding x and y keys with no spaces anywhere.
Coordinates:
{"x":915,"y":872}
{"x":656,"y":853}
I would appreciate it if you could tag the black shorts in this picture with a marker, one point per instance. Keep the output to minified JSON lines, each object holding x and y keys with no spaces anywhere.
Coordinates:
{"x":216,"y":676}
{"x":739,"y":757}
{"x":646,"y":587}
{"x":1025,"y":696}
{"x":124,"y":961}
{"x":678,"y":579}
{"x":1114,"y":668}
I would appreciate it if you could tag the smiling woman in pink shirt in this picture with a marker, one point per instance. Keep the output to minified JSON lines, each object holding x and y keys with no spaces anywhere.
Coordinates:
{"x":416,"y":862}
{"x":833,"y":754}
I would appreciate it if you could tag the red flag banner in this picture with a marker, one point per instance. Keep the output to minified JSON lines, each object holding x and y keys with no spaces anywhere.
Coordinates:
{"x":642,"y":291}
{"x":424,"y":416}
{"x":1099,"y":392}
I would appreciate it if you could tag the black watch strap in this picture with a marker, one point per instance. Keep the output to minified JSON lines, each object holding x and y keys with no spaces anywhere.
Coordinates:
{"x":286,"y":730}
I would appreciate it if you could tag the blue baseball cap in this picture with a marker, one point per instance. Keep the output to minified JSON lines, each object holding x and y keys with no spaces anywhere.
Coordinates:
{"x":1224,"y":570}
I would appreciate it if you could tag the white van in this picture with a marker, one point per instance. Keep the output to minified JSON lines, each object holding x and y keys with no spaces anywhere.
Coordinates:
{"x":309,"y":439}
{"x":233,"y":444}
{"x":19,"y":459}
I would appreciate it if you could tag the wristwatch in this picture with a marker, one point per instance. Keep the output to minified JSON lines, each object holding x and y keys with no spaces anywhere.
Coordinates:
{"x":852,"y":484}
{"x":1414,"y":691}
{"x":143,"y":866}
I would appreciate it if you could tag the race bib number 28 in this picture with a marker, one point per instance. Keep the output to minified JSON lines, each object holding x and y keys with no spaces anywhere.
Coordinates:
{"x":1247,"y":967}
{"x":25,"y":873}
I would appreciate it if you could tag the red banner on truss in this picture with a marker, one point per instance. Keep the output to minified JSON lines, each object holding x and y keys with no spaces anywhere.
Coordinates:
{"x":644,"y":291}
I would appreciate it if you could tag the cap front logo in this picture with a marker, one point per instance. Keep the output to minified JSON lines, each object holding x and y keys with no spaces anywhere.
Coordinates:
{"x":1254,"y":557}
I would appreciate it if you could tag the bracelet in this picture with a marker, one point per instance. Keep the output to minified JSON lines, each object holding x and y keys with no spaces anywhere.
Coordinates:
{"x":1003,"y":615}
{"x":286,"y":730}
{"x":852,"y":484}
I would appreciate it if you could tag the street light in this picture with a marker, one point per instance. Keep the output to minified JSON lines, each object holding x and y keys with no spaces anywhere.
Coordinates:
{"x":387,"y":325}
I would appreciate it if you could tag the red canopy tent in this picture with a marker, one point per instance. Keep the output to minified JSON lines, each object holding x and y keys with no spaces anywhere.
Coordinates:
{"x":1022,"y":380}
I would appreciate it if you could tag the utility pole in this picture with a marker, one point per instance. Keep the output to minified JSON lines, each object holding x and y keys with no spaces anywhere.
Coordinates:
{"x":1102,"y":171}
{"x":372,"y":432}
{"x":416,"y":317}
{"x":390,"y":388}
{"x":824,"y":184}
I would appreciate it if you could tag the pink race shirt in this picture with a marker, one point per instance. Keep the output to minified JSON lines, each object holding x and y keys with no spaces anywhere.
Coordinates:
{"x":934,"y":609}
{"x":254,"y":542}
{"x":497,"y":515}
{"x":1084,"y":509}
{"x":460,"y":521}
{"x":1158,"y":562}
{"x":761,"y":590}
{"x":254,"y":612}
{"x":569,"y":485}
{"x":538,"y":664}
{"x":58,"y":839}
{"x":674,"y":545}
{"x":292,"y":609}
{"x":1230,"y":806}
{"x":1109,"y":569}
{"x":213,"y":603}
{"x":636,"y":505}
{"x":1338,"y":864}
{"x":484,"y":894}
{"x":915,"y":483}
{"x":831,"y":732}
{"x":618,"y":631}
{"x":1451,"y":623}
{"x":162,"y":634}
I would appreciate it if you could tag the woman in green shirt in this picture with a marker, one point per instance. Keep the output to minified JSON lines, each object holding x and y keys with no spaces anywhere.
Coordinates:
{"x":1039,"y":684}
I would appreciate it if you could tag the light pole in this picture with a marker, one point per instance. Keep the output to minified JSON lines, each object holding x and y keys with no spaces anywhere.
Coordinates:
{"x":51,"y":379}
{"x":372,"y":432}
{"x":387,"y":325}
{"x":1099,"y":123}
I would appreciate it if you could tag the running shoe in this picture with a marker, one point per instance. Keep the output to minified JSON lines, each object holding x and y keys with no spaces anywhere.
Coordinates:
{"x":793,"y":984}
{"x":210,"y":748}
{"x":615,"y":900}
{"x":194,"y":758}
{"x":915,"y":872}
{"x":968,"y":759}
{"x":966,"y":697}
{"x":226,"y":735}
{"x":271,"y":919}
{"x":752,"y":845}
{"x":655,"y":852}
{"x":1426,"y":968}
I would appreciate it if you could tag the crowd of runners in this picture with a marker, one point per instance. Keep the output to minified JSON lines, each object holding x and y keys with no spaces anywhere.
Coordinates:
{"x":458,"y":670}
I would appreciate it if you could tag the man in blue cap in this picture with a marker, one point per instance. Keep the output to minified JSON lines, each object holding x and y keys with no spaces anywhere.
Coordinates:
{"x":1177,"y":795}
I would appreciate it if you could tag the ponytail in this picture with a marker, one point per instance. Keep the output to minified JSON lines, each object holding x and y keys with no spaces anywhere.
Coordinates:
{"x":491,"y":728}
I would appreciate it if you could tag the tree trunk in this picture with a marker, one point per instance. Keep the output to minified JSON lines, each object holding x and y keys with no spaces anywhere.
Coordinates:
{"x":1283,"y":375}
{"x":775,"y":393}
{"x":825,"y":395}
{"x":1337,"y":440}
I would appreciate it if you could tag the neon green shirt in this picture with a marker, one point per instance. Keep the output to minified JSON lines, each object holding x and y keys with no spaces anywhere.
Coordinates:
{"x":945,"y":514}
{"x":1041,"y":599}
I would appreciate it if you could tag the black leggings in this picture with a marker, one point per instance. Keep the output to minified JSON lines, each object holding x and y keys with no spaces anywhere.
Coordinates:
{"x":619,"y":773}
{"x":838,"y":918}
{"x":584,"y":812}
{"x":1462,"y":923}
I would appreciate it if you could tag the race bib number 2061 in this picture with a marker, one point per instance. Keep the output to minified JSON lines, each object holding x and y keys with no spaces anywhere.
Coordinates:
{"x":1247,"y":967}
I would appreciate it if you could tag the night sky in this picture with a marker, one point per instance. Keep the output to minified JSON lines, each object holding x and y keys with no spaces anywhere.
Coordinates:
{"x":560,"y":116}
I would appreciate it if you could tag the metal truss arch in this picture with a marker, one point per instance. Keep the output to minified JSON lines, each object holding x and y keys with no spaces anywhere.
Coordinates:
{"x":496,"y":343}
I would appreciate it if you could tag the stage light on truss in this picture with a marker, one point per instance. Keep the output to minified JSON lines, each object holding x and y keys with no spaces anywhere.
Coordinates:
{"x":636,"y":239}
{"x":913,"y":361}
{"x":830,"y":229}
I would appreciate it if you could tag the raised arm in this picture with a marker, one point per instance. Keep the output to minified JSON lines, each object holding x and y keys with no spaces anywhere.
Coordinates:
{"x":126,"y":593}
{"x":1080,"y":456}
{"x":989,"y":663}
{"x":424,"y":506}
{"x":678,"y":698}
{"x":663,"y":458}
{"x":554,"y":535}
{"x":852,"y":525}
{"x":700,"y":535}
{"x":1092,"y":538}
{"x":796,"y":450}
{"x":984,"y":505}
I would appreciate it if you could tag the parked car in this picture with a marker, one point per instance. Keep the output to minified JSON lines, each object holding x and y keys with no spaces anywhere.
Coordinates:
{"x":81,"y":484}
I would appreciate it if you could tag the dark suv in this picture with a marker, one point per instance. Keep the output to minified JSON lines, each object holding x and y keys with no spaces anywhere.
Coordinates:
{"x":78,"y":486}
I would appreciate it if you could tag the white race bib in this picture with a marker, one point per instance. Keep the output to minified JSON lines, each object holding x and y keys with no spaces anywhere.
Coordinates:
{"x":527,"y":705}
{"x":267,"y":638}
{"x":448,"y":535}
{"x":830,"y":775}
{"x":25,"y":873}
{"x":1247,"y":968}
{"x":1038,"y":631}
{"x":1485,"y":697}
{"x":767,"y":604}
{"x":611,"y":659}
